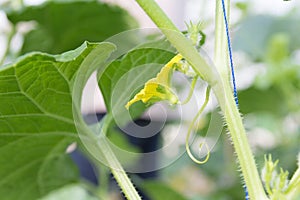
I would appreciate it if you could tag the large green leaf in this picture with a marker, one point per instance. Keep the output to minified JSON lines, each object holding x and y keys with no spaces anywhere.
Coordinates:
{"x":64,"y":25}
{"x":124,"y":77}
{"x":37,"y":119}
{"x":134,"y":59}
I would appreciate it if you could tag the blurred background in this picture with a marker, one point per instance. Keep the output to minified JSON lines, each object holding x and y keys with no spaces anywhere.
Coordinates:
{"x":266,"y":44}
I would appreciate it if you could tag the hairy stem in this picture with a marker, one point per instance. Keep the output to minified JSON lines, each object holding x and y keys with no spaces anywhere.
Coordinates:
{"x":118,"y":172}
{"x":218,"y":79}
{"x":105,"y":155}
{"x":231,"y":113}
{"x":240,"y":143}
{"x":114,"y":165}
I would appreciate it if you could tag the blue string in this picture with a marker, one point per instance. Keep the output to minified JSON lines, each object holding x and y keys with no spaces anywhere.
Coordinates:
{"x":232,"y":74}
{"x":246,"y":193}
{"x":230,"y":56}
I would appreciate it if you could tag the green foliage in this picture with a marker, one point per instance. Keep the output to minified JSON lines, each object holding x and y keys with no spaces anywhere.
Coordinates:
{"x":124,"y":77}
{"x":37,"y":113}
{"x":64,"y":25}
{"x":74,"y":192}
{"x":157,"y":190}
{"x":275,"y":183}
{"x":256,"y":100}
{"x":120,"y":141}
{"x":278,"y":48}
{"x":36,"y":123}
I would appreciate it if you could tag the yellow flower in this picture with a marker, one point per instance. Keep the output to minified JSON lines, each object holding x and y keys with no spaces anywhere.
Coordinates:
{"x":158,"y":88}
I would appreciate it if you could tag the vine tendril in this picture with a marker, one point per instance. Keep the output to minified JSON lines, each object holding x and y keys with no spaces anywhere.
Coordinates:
{"x":194,"y":81}
{"x":235,"y":94}
{"x":187,"y":147}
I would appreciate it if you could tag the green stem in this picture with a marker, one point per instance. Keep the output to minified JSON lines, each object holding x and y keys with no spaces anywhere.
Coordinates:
{"x":221,"y":87}
{"x":221,"y":49}
{"x":231,"y":113}
{"x":240,"y":143}
{"x":114,"y":165}
{"x":100,"y":145}
{"x":118,"y":171}
{"x":179,"y":41}
{"x":93,"y":137}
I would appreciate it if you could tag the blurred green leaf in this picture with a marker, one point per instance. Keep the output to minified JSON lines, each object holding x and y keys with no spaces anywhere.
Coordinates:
{"x":242,"y":6}
{"x":74,"y":192}
{"x":36,"y":121}
{"x":122,"y":147}
{"x":278,"y":48}
{"x":254,"y":33}
{"x":121,"y":141}
{"x":64,"y":25}
{"x":256,"y":100}
{"x":158,"y":190}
